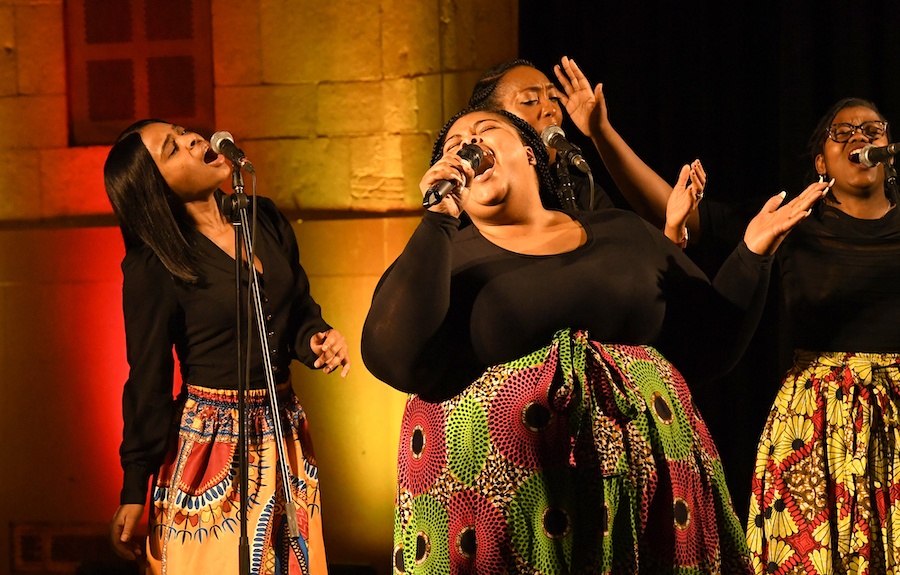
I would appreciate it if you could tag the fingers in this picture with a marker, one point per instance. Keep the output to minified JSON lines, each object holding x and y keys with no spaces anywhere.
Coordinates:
{"x":333,"y":352}
{"x":122,"y":531}
{"x":698,"y":178}
{"x":683,"y":177}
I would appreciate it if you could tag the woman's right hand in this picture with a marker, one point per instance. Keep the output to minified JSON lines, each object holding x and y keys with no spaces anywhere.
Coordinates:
{"x":684,"y":201}
{"x":454,"y":168}
{"x":121,"y":531}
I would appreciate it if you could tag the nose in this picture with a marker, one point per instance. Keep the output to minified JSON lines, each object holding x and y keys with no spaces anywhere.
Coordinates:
{"x":189,"y":139}
{"x":858,"y":134}
{"x":548,"y":107}
{"x":474,"y":139}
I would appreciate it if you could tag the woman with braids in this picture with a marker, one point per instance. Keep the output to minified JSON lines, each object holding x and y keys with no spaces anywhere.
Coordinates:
{"x":521,"y":89}
{"x":826,"y":491}
{"x":178,"y":293}
{"x":547,"y":430}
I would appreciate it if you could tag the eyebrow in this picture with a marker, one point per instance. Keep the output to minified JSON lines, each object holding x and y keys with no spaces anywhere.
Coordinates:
{"x":547,"y":86}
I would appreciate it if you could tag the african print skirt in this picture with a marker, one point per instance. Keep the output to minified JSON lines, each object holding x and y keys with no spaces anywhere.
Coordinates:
{"x":826,"y":490}
{"x":194,"y":517}
{"x":578,"y":458}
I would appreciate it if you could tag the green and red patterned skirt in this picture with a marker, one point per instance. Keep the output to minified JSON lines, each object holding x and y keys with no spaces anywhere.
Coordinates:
{"x":826,"y":489}
{"x":578,"y":458}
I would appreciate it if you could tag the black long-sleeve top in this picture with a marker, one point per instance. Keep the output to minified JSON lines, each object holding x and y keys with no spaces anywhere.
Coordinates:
{"x":454,"y":303}
{"x":840,"y":280}
{"x":199,"y":321}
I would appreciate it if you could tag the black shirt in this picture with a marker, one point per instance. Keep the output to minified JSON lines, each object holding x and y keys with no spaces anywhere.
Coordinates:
{"x":454,"y":303}
{"x":199,"y":321}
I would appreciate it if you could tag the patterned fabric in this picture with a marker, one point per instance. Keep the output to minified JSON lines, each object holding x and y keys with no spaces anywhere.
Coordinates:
{"x":826,"y":491}
{"x":194,"y":517}
{"x":578,"y":458}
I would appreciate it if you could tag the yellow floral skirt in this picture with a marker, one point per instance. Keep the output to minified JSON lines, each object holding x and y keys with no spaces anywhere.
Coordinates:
{"x":195,"y":506}
{"x":826,"y":488}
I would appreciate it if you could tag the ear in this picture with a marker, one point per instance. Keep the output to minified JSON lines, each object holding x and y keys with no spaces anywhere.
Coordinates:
{"x":532,"y":160}
{"x":820,"y":165}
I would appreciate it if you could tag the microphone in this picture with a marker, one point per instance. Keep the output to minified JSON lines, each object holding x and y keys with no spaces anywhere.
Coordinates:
{"x":870,"y":156}
{"x":223,"y":143}
{"x":554,"y":137}
{"x":470,"y":154}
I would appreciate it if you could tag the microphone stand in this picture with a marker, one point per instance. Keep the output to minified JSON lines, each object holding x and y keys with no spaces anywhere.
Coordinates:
{"x":235,"y":208}
{"x":566,"y":190}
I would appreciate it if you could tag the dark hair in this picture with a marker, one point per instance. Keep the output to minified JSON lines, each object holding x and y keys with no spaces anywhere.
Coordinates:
{"x":817,"y":139}
{"x":149,"y":212}
{"x":527,"y":135}
{"x":484,"y":93}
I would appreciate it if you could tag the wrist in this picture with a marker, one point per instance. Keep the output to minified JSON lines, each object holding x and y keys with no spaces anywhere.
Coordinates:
{"x":679,"y":235}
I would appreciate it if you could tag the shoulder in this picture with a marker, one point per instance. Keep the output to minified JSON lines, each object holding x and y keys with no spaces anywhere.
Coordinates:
{"x":143,"y":273}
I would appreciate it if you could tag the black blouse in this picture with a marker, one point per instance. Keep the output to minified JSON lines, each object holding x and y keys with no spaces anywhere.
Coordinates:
{"x":454,"y":303}
{"x":840,"y":280}
{"x":199,"y":321}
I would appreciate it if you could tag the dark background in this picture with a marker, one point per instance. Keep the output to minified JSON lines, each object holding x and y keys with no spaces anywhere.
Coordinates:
{"x":739,"y":85}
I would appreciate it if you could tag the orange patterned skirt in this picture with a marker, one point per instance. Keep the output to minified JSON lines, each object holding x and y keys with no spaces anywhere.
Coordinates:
{"x":195,"y":507}
{"x":826,"y":489}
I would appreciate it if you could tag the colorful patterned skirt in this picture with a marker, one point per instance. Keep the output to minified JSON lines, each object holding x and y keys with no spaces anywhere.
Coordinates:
{"x":826,"y":490}
{"x":578,"y":458}
{"x":194,"y":514}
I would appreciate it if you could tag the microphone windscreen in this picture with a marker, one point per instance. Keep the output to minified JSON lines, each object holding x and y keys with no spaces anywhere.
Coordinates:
{"x":550,"y":132}
{"x":215,"y":141}
{"x":472,"y":154}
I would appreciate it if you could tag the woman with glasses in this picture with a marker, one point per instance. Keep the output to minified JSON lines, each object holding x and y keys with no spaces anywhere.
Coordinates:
{"x":826,"y":491}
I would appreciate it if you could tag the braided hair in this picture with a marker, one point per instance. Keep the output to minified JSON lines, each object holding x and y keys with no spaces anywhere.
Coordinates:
{"x":484,"y":93}
{"x":527,"y":135}
{"x":817,"y":139}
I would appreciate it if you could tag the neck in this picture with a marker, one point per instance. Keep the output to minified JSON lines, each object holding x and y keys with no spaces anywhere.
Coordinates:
{"x":872,"y":206}
{"x":531,"y":222}
{"x":206,"y":215}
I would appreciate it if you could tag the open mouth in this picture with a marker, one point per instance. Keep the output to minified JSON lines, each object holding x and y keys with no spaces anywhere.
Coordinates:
{"x":487,"y":162}
{"x":210,"y":156}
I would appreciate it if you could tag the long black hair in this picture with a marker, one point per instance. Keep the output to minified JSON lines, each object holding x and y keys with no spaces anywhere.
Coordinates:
{"x":527,"y":135}
{"x":817,"y":139}
{"x":149,"y":212}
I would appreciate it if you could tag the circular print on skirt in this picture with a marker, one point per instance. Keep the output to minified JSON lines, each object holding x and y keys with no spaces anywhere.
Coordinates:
{"x":467,"y":440}
{"x":523,"y":426}
{"x":477,"y":535}
{"x":542,"y":531}
{"x":425,"y":550}
{"x":422,"y":450}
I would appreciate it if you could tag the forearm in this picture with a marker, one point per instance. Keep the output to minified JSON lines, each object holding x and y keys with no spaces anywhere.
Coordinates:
{"x":644,"y":189}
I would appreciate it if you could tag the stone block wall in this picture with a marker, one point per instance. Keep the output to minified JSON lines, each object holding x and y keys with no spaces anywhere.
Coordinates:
{"x":337,"y":104}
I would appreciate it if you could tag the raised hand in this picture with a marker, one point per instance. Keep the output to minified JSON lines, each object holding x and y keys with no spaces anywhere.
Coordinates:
{"x":585,"y":106}
{"x":683,"y":201}
{"x":769,"y":227}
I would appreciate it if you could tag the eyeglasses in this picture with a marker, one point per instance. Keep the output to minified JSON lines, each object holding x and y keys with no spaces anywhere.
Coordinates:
{"x":873,"y":129}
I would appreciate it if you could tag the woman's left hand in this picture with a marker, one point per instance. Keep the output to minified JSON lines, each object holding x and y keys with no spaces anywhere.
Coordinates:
{"x":331,"y":349}
{"x":585,"y":106}
{"x":768,"y":229}
{"x":683,"y":201}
